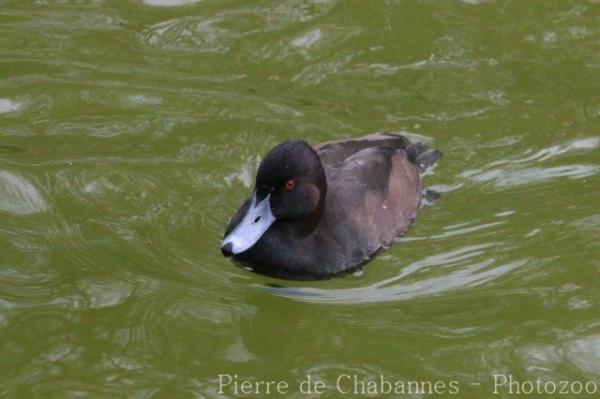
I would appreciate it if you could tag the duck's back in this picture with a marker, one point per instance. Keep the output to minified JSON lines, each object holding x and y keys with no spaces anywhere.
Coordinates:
{"x":374,"y":187}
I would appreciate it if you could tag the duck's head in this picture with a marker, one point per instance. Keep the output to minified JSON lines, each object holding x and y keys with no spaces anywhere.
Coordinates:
{"x":290,"y":186}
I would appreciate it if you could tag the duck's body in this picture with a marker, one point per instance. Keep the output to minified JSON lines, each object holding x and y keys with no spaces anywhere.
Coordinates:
{"x":367,"y":193}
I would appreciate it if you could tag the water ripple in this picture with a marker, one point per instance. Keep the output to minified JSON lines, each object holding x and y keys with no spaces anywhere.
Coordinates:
{"x":462,"y":272}
{"x":581,"y":145}
{"x":18,"y":195}
{"x":202,"y":34}
{"x":131,"y":130}
{"x":169,"y":3}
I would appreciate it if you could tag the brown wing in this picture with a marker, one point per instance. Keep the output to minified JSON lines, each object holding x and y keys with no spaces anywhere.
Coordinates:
{"x":381,"y":191}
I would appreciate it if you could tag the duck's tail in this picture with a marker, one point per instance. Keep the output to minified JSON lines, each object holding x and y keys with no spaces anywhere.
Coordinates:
{"x":422,"y":156}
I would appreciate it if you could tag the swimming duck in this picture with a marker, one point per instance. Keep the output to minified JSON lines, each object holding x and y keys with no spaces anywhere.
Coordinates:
{"x":318,"y":211}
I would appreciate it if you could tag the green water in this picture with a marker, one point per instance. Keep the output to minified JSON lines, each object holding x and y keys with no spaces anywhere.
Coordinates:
{"x":130,"y":131}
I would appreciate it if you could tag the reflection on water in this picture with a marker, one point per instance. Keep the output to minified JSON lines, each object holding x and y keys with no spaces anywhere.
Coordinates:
{"x":516,"y":172}
{"x":19,"y":196}
{"x":169,"y":3}
{"x":129,"y":132}
{"x":460,"y":271}
{"x":7,"y":105}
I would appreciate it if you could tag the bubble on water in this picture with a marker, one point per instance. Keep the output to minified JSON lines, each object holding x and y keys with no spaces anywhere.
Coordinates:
{"x":17,"y":195}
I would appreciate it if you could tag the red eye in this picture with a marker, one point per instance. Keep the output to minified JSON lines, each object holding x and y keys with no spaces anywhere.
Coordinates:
{"x":289,"y":185}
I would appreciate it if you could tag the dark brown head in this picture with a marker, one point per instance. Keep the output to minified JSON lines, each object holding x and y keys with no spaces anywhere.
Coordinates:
{"x":293,"y":175}
{"x":290,"y":186}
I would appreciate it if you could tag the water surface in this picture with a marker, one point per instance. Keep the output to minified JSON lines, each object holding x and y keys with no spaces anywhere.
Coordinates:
{"x":131,"y":130}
